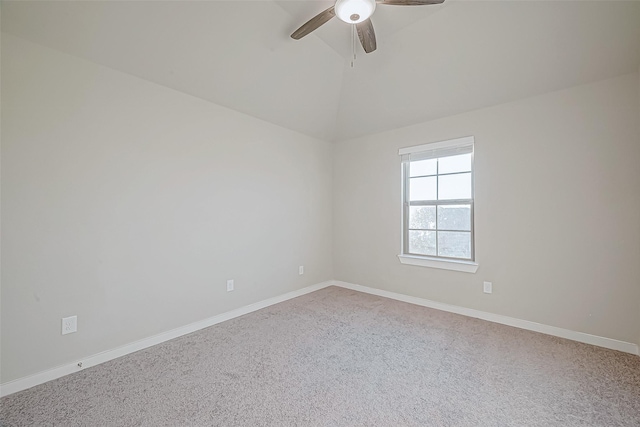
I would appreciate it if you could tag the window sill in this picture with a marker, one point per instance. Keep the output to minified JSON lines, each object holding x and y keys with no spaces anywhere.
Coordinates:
{"x":465,"y":266}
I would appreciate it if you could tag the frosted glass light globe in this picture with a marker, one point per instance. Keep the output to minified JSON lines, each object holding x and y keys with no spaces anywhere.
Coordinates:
{"x":354,"y":11}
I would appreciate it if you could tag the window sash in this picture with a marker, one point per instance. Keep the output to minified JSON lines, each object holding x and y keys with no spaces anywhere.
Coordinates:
{"x":406,"y":211}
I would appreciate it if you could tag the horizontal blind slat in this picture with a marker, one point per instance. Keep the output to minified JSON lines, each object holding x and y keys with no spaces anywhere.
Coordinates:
{"x":440,"y":152}
{"x":434,"y":150}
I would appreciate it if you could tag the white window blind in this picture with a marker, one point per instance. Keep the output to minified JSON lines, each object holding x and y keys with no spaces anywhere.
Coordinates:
{"x":435,"y":150}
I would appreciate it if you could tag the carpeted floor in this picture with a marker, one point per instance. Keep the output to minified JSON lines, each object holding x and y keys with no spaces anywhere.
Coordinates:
{"x":342,"y":358}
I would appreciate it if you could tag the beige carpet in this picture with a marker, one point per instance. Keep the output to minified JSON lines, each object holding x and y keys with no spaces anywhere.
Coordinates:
{"x":342,"y":358}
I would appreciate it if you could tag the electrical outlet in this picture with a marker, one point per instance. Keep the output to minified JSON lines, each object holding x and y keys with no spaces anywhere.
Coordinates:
{"x":488,"y":287}
{"x":229,"y":285}
{"x":69,"y":325}
{"x":301,"y":270}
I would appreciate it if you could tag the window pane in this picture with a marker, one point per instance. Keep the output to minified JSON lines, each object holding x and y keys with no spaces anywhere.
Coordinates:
{"x":423,"y":167}
{"x":422,"y":217}
{"x":461,"y":163}
{"x":454,"y":217}
{"x":456,"y":245}
{"x":422,"y":188}
{"x":422,"y":242}
{"x":454,"y":186}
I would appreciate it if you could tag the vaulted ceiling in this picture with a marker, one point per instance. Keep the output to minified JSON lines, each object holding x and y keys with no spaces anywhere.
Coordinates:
{"x":431,"y":61}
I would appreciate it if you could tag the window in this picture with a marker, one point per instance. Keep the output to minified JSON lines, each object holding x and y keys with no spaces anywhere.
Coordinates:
{"x":437,"y":205}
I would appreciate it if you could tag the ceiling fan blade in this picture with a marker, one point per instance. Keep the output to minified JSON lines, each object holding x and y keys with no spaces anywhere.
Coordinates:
{"x":409,"y":2}
{"x":367,"y":35}
{"x":313,"y":23}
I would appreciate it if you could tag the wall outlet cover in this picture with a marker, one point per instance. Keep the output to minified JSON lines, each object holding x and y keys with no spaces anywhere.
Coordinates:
{"x":69,"y":325}
{"x":488,"y":287}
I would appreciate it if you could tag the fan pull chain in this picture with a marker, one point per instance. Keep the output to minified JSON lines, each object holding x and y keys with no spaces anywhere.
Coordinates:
{"x":353,"y":45}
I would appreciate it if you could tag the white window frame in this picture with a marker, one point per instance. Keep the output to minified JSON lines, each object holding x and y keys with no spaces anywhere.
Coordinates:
{"x":434,"y":150}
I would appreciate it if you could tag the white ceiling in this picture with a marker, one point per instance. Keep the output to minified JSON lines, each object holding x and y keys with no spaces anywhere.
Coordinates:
{"x":431,"y":62}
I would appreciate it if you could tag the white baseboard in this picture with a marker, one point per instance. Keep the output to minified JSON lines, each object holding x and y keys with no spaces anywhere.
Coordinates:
{"x":96,"y":359}
{"x":69,"y":368}
{"x":626,"y":347}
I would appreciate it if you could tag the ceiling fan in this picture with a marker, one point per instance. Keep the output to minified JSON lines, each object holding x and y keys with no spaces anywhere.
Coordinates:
{"x":355,"y":12}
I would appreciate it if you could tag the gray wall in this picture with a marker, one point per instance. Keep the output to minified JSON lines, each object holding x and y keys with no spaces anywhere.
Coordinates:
{"x":130,"y":205}
{"x":557,"y":210}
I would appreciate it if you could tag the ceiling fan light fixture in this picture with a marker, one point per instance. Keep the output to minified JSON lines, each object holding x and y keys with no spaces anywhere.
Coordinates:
{"x":354,"y":11}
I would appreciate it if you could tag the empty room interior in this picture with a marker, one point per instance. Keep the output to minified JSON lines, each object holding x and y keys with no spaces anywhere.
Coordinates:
{"x":320,"y":213}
